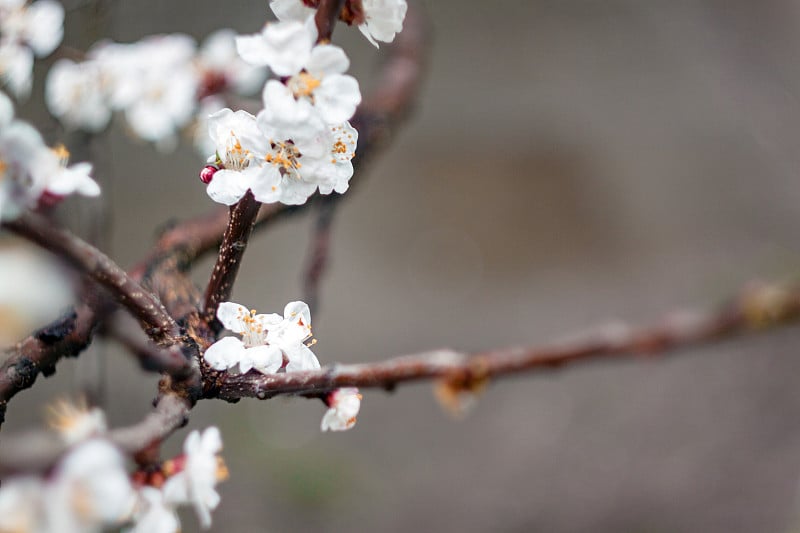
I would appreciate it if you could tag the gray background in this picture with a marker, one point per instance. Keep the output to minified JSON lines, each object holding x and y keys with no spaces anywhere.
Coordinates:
{"x":570,"y":162}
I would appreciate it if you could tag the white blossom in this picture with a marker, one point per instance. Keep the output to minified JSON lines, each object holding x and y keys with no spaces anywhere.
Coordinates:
{"x":21,"y":147}
{"x":90,"y":489}
{"x":266,"y":339}
{"x":241,"y":149}
{"x":21,"y":505}
{"x":252,"y":350}
{"x":306,"y":159}
{"x":27,"y":30}
{"x":60,"y":179}
{"x":342,"y":141}
{"x":153,"y":514}
{"x":16,"y":67}
{"x":155,"y":83}
{"x":202,"y":470}
{"x":383,"y":19}
{"x":75,"y":95}
{"x":343,"y":407}
{"x":284,"y":46}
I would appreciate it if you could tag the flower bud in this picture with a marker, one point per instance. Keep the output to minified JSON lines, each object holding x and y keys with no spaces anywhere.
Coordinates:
{"x":207,"y":174}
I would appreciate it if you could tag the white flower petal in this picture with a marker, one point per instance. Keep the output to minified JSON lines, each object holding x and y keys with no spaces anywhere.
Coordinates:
{"x":225,"y":353}
{"x":227,"y":187}
{"x":327,"y":59}
{"x":265,"y":359}
{"x":337,"y":97}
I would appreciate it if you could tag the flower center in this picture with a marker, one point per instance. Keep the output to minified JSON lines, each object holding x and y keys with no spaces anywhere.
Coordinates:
{"x":61,"y":153}
{"x":303,"y":85}
{"x":253,"y":334}
{"x":343,"y":148}
{"x":285,"y":156}
{"x":236,"y":157}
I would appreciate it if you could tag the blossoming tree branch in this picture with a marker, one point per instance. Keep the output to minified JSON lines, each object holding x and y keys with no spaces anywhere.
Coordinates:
{"x":311,"y":132}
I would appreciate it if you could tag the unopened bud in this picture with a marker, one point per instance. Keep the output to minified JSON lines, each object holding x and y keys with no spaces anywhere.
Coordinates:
{"x":207,"y":174}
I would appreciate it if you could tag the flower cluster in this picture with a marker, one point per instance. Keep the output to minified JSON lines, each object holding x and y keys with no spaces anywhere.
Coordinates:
{"x":268,"y":342}
{"x":30,"y":171}
{"x":90,"y":489}
{"x":27,"y":30}
{"x":156,"y":82}
{"x":301,"y":141}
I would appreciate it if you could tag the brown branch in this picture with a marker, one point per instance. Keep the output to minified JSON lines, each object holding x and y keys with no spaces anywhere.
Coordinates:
{"x":325,"y":18}
{"x":319,"y":251}
{"x":171,"y":413}
{"x":38,"y":451}
{"x":757,"y":307}
{"x":66,"y":337}
{"x":146,"y":307}
{"x":174,"y":360}
{"x":234,"y":244}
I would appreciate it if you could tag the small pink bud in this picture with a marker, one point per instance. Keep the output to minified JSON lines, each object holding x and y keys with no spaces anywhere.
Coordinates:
{"x":207,"y":174}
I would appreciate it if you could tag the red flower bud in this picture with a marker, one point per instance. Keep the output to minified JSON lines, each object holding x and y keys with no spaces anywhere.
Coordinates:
{"x":207,"y":174}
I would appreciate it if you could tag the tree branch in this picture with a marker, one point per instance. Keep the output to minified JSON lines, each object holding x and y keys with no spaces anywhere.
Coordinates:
{"x":66,"y":337}
{"x":325,"y":18}
{"x":146,"y":307}
{"x":173,"y":360}
{"x":234,"y":243}
{"x":319,"y":251}
{"x":756,"y":308}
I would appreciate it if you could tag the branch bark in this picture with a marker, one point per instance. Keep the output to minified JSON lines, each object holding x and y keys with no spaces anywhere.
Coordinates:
{"x":234,"y":244}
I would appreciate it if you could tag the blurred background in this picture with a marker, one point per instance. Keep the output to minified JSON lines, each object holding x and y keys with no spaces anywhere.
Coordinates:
{"x":570,"y":162}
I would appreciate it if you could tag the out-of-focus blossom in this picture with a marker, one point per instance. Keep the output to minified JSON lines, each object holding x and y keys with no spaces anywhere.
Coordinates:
{"x":21,"y":505}
{"x":153,"y":514}
{"x":90,"y":489}
{"x":202,"y":468}
{"x":343,"y":407}
{"x":27,"y":30}
{"x":74,"y":94}
{"x":167,"y":88}
{"x":76,"y":422}
{"x":32,"y":292}
{"x":221,"y":67}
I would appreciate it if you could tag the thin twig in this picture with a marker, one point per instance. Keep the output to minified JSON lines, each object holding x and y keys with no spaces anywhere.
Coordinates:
{"x":755,"y":309}
{"x":153,"y":358}
{"x":325,"y":18}
{"x":234,"y":244}
{"x":319,"y":251}
{"x":146,"y":307}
